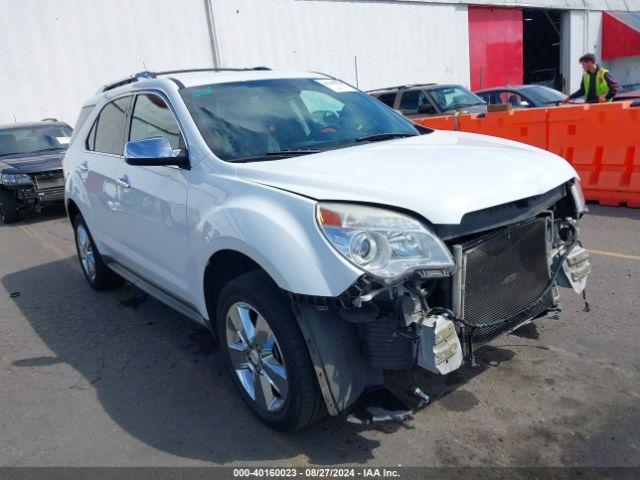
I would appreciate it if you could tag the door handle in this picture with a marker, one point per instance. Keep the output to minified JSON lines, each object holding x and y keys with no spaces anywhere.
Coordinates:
{"x":83,"y":167}
{"x":123,"y":182}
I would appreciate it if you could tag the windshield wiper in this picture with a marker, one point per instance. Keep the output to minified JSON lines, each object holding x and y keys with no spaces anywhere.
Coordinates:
{"x":275,"y":155}
{"x":378,"y":137}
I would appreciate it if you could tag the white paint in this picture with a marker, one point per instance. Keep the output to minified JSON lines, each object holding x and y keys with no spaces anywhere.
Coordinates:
{"x":395,"y":43}
{"x":441,"y":176}
{"x":55,"y":55}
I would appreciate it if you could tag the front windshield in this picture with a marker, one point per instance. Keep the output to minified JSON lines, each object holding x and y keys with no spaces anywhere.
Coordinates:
{"x":262,"y":119}
{"x":454,"y":97}
{"x":25,"y":140}
{"x":540,"y":95}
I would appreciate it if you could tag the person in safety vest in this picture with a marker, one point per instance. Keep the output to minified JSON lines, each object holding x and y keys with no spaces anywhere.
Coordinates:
{"x":597,"y":84}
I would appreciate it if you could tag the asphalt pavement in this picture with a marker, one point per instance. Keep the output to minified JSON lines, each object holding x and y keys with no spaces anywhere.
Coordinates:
{"x":118,"y":379}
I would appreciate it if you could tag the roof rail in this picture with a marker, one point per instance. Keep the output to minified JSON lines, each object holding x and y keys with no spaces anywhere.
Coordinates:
{"x":49,"y":119}
{"x":211,"y":69}
{"x":127,"y":80}
{"x":400,"y":87}
{"x":148,"y":75}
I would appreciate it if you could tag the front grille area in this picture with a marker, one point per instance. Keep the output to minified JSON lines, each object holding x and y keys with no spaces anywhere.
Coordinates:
{"x":53,"y":179}
{"x":505,"y":273}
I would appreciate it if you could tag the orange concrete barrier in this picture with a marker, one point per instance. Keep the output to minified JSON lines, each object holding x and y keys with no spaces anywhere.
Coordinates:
{"x":527,"y":126}
{"x":601,"y":141}
{"x":444,"y":122}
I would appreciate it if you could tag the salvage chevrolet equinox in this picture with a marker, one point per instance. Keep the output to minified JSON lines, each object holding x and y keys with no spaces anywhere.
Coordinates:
{"x":322,"y":237}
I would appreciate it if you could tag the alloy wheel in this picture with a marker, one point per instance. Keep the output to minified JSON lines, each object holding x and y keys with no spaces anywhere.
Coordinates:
{"x":85,"y":251}
{"x":256,"y":357}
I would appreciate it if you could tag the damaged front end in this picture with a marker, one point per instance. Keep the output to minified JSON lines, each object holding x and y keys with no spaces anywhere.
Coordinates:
{"x":501,"y":269}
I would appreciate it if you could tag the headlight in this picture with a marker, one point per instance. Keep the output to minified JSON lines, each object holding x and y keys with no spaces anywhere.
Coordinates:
{"x":578,"y":196}
{"x":15,"y":179}
{"x":382,"y":242}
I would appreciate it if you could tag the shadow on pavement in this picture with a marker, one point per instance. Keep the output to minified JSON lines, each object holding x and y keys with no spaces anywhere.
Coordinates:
{"x":163,"y":380}
{"x":28,"y":217}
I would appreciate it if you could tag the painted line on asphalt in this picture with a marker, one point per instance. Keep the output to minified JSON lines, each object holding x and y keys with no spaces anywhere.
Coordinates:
{"x":44,"y":242}
{"x":614,"y":254}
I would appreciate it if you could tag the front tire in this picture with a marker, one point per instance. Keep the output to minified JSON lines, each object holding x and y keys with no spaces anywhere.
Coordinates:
{"x":266,"y":353}
{"x":8,"y":206}
{"x":97,"y":274}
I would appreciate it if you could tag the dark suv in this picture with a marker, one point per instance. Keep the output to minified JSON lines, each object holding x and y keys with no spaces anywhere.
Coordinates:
{"x":430,"y":99}
{"x":31,"y":165}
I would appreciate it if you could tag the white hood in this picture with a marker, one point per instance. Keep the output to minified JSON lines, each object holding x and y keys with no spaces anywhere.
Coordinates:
{"x":441,"y":175}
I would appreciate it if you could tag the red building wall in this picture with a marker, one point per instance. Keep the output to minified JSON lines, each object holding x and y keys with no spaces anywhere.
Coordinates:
{"x":618,"y":38}
{"x":495,"y":46}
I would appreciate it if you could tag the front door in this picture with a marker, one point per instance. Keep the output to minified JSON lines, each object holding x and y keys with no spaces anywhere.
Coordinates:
{"x":153,"y":203}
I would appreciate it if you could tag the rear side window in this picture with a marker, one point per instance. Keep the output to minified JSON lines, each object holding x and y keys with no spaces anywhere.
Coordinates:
{"x":153,"y":118}
{"x":84,"y":113}
{"x":388,"y":98}
{"x":107,"y":132}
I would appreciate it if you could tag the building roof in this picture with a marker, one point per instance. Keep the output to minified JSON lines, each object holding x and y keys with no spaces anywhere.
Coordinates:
{"x":603,"y":5}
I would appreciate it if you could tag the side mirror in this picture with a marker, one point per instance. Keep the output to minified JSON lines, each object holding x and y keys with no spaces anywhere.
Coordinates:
{"x":155,"y":151}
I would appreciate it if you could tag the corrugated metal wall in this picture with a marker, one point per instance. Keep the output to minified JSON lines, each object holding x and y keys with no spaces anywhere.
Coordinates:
{"x":394,"y":42}
{"x":55,"y":54}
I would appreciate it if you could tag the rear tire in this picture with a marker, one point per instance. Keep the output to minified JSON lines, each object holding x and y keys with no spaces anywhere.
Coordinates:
{"x":8,"y":206}
{"x":268,"y":357}
{"x":97,"y":274}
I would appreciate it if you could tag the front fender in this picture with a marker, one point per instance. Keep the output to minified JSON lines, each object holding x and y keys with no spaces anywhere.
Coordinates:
{"x":274,"y":228}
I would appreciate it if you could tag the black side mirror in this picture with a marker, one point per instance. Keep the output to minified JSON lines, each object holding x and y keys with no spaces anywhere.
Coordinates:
{"x":155,"y":151}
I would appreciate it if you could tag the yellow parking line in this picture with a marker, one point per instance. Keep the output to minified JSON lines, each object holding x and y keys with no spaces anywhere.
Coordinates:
{"x":43,"y":241}
{"x":614,"y":254}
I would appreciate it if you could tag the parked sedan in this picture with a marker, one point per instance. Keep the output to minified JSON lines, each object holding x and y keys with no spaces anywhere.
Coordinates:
{"x":522,"y":96}
{"x":430,"y":99}
{"x":31,"y":165}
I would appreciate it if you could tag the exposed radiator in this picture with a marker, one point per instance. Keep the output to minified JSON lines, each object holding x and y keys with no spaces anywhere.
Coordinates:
{"x":504,"y":273}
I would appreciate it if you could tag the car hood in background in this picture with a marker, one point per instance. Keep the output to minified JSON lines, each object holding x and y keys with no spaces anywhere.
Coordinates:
{"x":441,"y":175}
{"x":30,"y":163}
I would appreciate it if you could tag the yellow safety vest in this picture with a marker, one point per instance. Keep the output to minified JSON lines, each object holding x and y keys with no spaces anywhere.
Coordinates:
{"x":602,"y":87}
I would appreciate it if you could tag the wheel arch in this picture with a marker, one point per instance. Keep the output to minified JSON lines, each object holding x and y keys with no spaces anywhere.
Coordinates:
{"x":72,"y":209}
{"x":221,"y":268}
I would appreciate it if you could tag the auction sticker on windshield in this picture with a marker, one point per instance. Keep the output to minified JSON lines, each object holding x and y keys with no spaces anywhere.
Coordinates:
{"x":336,"y":85}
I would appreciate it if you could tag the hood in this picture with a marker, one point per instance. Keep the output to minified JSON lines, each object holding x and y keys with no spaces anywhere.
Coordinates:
{"x":30,"y":163}
{"x":441,"y":175}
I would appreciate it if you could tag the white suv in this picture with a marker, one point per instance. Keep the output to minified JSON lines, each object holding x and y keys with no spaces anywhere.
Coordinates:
{"x":322,"y":237}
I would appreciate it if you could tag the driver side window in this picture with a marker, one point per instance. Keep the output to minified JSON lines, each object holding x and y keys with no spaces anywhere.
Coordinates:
{"x":152,"y":118}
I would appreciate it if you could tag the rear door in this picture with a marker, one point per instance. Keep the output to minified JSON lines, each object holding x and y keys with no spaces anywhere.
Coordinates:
{"x":101,"y":161}
{"x":152,"y":214}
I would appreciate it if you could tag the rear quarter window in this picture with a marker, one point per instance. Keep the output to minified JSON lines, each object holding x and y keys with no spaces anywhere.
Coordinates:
{"x":82,"y":118}
{"x":107,"y":132}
